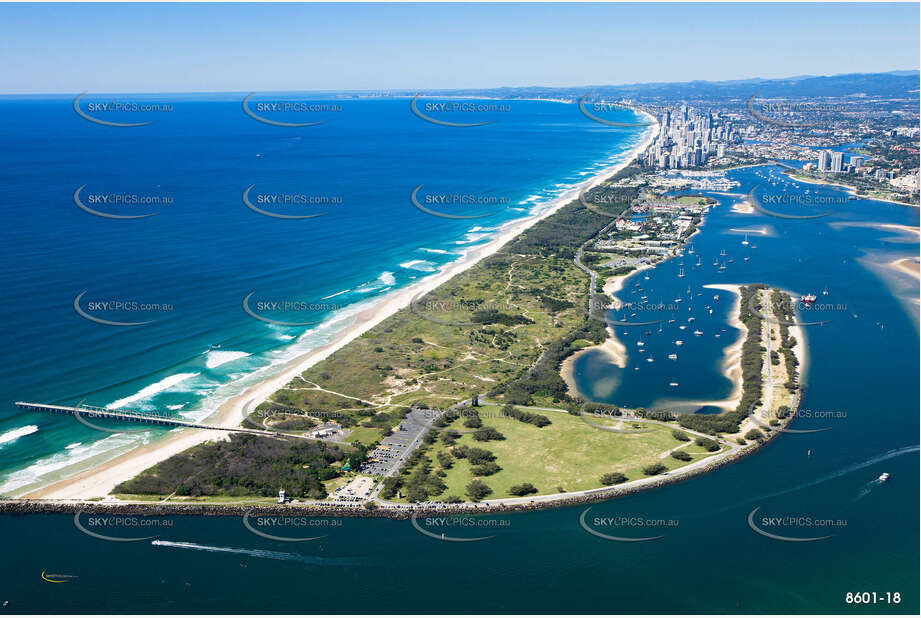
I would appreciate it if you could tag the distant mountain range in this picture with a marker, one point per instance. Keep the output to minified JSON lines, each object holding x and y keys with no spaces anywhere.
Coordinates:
{"x":892,"y":84}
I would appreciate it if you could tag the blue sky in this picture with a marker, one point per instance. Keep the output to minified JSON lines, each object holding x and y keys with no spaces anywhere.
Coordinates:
{"x":68,"y":48}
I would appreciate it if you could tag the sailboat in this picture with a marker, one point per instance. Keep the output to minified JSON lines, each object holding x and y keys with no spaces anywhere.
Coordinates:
{"x":723,"y":253}
{"x":745,"y":242}
{"x":681,"y":273}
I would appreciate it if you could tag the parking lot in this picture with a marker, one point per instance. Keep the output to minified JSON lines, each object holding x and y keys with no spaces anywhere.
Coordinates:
{"x":393,"y":450}
{"x":356,"y":490}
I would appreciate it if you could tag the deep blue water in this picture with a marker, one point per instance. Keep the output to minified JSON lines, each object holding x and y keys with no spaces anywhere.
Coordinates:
{"x":543,"y":562}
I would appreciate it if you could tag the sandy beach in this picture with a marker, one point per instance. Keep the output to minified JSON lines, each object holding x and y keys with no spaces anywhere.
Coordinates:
{"x":612,"y":348}
{"x":744,"y":208}
{"x":909,"y":266}
{"x":100,"y":480}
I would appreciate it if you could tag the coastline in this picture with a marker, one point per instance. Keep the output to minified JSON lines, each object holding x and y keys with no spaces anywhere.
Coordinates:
{"x":98,"y":481}
{"x":852,"y":190}
{"x":612,"y":348}
{"x":388,"y":510}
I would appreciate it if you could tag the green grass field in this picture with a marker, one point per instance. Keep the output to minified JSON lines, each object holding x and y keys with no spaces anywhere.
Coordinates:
{"x":568,"y":454}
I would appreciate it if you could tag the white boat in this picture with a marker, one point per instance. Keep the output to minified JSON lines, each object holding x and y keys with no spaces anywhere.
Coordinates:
{"x":716,"y":297}
{"x":673,"y":357}
{"x":681,"y":274}
{"x":883,"y":477}
{"x":649,"y":360}
{"x":679,"y":342}
{"x":698,"y":332}
{"x":673,"y":384}
{"x":745,"y":242}
{"x":682,"y":327}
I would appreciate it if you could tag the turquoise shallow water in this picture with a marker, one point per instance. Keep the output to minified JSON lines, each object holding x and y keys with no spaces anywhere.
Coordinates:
{"x":864,"y":369}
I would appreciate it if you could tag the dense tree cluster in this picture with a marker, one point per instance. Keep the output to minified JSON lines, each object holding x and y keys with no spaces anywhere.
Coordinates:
{"x":477,"y":490}
{"x":523,"y":489}
{"x":538,"y":420}
{"x":244,"y":465}
{"x":613,"y":478}
{"x":783,"y":310}
{"x":486,"y":434}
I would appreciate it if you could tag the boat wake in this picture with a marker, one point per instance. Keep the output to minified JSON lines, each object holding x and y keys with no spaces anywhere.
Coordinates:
{"x":255,"y":553}
{"x":866,"y":489}
{"x":898,"y":452}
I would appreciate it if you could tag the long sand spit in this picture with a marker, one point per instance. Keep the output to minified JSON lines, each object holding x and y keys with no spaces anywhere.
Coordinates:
{"x":101,"y":480}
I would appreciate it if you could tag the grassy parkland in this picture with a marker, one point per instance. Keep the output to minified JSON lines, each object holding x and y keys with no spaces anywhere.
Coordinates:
{"x":519,"y":458}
